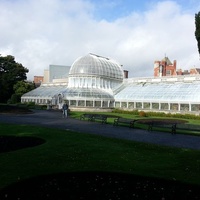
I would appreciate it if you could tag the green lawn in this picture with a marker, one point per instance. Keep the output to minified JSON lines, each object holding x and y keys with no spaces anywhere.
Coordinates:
{"x":66,"y":151}
{"x":145,"y":126}
{"x":107,"y":168}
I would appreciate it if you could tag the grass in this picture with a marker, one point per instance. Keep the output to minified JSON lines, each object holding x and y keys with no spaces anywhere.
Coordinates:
{"x":145,"y":126}
{"x":75,"y":164}
{"x":66,"y":151}
{"x":70,"y":165}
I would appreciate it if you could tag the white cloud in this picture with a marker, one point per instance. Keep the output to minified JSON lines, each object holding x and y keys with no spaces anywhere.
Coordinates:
{"x":39,"y":33}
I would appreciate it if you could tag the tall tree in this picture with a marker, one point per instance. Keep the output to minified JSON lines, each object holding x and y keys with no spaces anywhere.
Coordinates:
{"x":10,"y":73}
{"x":197,"y":31}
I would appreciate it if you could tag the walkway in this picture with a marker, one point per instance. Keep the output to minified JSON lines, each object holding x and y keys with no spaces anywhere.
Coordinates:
{"x":54,"y":119}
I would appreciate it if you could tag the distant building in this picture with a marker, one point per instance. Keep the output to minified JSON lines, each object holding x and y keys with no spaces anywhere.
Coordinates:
{"x":58,"y":72}
{"x":38,"y":80}
{"x":54,"y":74}
{"x":166,"y":68}
{"x":181,"y":72}
{"x":195,"y":71}
{"x":46,"y":76}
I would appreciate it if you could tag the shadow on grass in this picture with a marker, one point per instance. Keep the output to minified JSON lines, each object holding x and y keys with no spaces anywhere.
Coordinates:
{"x":12,"y":143}
{"x":98,"y":185}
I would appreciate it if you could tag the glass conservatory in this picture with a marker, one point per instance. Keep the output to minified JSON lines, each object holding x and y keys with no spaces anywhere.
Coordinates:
{"x":45,"y":94}
{"x":98,"y":82}
{"x":91,"y":81}
{"x":92,"y":71}
{"x":165,"y":96}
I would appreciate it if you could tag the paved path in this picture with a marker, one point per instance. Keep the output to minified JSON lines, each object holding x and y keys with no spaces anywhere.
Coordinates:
{"x":54,"y":119}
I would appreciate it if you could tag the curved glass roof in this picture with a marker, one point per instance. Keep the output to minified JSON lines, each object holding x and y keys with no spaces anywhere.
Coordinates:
{"x":96,"y":66}
{"x":45,"y":91}
{"x":69,"y":93}
{"x":160,"y":92}
{"x":87,"y":93}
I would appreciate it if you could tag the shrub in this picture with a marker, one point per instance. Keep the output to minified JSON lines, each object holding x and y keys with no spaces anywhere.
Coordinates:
{"x":157,"y":114}
{"x":134,"y":112}
{"x":142,"y":114}
{"x":14,"y":99}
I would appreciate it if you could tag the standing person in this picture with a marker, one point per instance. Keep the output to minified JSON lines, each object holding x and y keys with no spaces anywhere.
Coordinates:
{"x":65,"y":110}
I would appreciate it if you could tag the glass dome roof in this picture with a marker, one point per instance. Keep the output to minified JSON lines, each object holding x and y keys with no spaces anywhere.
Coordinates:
{"x":86,"y":93}
{"x":95,"y":65}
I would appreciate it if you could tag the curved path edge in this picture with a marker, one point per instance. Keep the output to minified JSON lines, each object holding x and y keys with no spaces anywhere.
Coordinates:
{"x":50,"y":118}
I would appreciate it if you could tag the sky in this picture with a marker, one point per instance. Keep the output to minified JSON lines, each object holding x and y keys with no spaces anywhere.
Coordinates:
{"x":135,"y":33}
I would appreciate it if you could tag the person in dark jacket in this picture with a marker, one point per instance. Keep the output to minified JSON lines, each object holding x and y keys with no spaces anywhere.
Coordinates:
{"x":65,"y":110}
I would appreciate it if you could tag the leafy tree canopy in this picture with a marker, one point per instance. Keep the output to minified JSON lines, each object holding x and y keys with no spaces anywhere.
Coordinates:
{"x":10,"y":73}
{"x":197,"y":31}
{"x":22,"y":87}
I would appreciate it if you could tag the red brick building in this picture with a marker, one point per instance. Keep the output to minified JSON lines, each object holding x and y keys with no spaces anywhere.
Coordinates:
{"x":195,"y":71}
{"x":166,"y":68}
{"x":38,"y":80}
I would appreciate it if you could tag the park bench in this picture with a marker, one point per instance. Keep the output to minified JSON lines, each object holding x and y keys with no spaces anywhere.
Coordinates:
{"x":102,"y":118}
{"x":121,"y":120}
{"x":174,"y":127}
{"x":171,"y":126}
{"x":188,"y":127}
{"x":86,"y":116}
{"x":94,"y":117}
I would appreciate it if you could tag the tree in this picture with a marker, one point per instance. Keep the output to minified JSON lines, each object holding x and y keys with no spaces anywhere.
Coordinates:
{"x":197,"y":31}
{"x":10,"y":73}
{"x":20,"y":88}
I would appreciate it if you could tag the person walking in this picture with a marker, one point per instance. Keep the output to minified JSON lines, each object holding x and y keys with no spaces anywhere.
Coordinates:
{"x":65,"y":110}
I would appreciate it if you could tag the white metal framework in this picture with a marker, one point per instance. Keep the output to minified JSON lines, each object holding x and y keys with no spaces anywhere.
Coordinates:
{"x":178,"y":94}
{"x":97,"y":82}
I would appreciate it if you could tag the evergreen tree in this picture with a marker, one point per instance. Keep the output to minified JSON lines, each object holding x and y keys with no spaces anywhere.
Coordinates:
{"x":197,"y":31}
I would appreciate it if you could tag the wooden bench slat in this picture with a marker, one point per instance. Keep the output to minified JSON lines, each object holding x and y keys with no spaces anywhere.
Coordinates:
{"x":119,"y":120}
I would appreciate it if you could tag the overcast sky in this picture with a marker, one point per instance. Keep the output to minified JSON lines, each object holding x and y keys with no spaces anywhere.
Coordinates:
{"x":133,"y":32}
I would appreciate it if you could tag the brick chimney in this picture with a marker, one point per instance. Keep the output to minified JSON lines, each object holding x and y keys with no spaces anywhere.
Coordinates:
{"x":125,"y":74}
{"x":179,"y":72}
{"x":174,"y":64}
